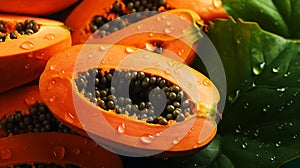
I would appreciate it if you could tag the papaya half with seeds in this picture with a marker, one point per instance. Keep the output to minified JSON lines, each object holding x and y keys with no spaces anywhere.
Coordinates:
{"x":29,"y":7}
{"x":42,"y":148}
{"x":171,"y":33}
{"x":26,"y":43}
{"x":170,"y":107}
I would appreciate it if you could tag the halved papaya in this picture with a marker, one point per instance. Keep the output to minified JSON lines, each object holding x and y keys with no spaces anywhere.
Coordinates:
{"x":26,"y":43}
{"x":43,"y":148}
{"x":29,"y":7}
{"x":130,"y":99}
{"x":172,"y":33}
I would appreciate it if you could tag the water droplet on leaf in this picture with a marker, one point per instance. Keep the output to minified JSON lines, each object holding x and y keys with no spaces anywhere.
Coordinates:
{"x":275,"y":70}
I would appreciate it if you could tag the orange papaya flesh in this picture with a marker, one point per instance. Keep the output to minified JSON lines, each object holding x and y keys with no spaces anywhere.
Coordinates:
{"x":171,"y":33}
{"x":23,"y":59}
{"x":60,"y":93}
{"x":37,"y":8}
{"x":52,"y":147}
{"x":208,"y":10}
{"x":55,"y":148}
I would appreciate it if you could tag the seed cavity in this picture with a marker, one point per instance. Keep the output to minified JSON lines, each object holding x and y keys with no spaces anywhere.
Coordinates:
{"x":7,"y":31}
{"x":147,"y":97}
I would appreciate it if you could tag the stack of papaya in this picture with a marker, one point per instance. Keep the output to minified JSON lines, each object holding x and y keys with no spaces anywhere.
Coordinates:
{"x":116,"y":83}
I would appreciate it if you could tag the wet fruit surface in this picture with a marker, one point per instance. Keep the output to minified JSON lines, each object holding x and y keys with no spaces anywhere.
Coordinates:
{"x":27,"y":126}
{"x":27,"y":44}
{"x":78,"y":107}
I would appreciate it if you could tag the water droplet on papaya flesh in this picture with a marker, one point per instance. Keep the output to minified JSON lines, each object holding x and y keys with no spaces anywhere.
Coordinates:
{"x":49,"y":36}
{"x":52,"y":99}
{"x":59,"y":151}
{"x":147,"y":139}
{"x":217,"y":3}
{"x":5,"y":154}
{"x":121,"y":128}
{"x":27,"y":45}
{"x":130,"y":49}
{"x":76,"y":151}
{"x":167,"y":30}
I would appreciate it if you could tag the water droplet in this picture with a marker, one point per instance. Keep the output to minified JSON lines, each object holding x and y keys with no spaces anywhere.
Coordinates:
{"x":121,"y":128}
{"x":256,"y":70}
{"x":147,"y":139}
{"x":182,"y":17}
{"x":40,"y":56}
{"x":273,"y":158}
{"x":266,"y":108}
{"x":287,"y":74}
{"x":275,"y":70}
{"x":280,"y":127}
{"x":164,"y":16}
{"x":169,"y":23}
{"x":176,"y":140}
{"x":90,"y":55}
{"x":246,"y":105}
{"x":256,"y":132}
{"x":30,"y":55}
{"x":167,"y":72}
{"x":158,"y":18}
{"x":129,"y":49}
{"x":257,"y":155}
{"x":278,"y":144}
{"x":76,"y":151}
{"x":69,"y":117}
{"x":244,"y":145}
{"x":139,"y":27}
{"x":238,"y":128}
{"x":295,"y":136}
{"x":150,"y":47}
{"x":103,"y":47}
{"x":206,"y":82}
{"x":5,"y":154}
{"x":52,"y":67}
{"x":180,"y":52}
{"x":238,"y":41}
{"x":27,"y":45}
{"x":26,"y":66}
{"x":52,"y":99}
{"x":151,"y":34}
{"x":59,"y":151}
{"x":217,"y":3}
{"x":281,"y":89}
{"x":158,"y":134}
{"x":49,"y":36}
{"x":30,"y":100}
{"x":167,"y":30}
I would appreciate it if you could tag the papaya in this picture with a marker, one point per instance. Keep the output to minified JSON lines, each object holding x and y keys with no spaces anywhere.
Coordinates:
{"x":171,"y":33}
{"x":131,"y":99}
{"x":137,"y":29}
{"x":26,"y":43}
{"x":37,"y":8}
{"x":43,"y":148}
{"x":209,"y":10}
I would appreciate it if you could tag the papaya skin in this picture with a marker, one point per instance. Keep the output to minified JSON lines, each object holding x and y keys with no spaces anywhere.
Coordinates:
{"x":176,"y":44}
{"x":37,"y":8}
{"x":77,"y":149}
{"x":68,"y":105}
{"x":20,"y":65}
{"x":208,"y":10}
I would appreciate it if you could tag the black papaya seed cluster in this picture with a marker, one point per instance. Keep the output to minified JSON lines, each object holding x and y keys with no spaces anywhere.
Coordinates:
{"x":135,"y":93}
{"x":39,"y":119}
{"x":131,"y":6}
{"x":27,"y":27}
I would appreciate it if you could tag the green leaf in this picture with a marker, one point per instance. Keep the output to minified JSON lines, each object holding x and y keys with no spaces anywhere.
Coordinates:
{"x":263,"y":79}
{"x":222,"y":161}
{"x":277,"y":16}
